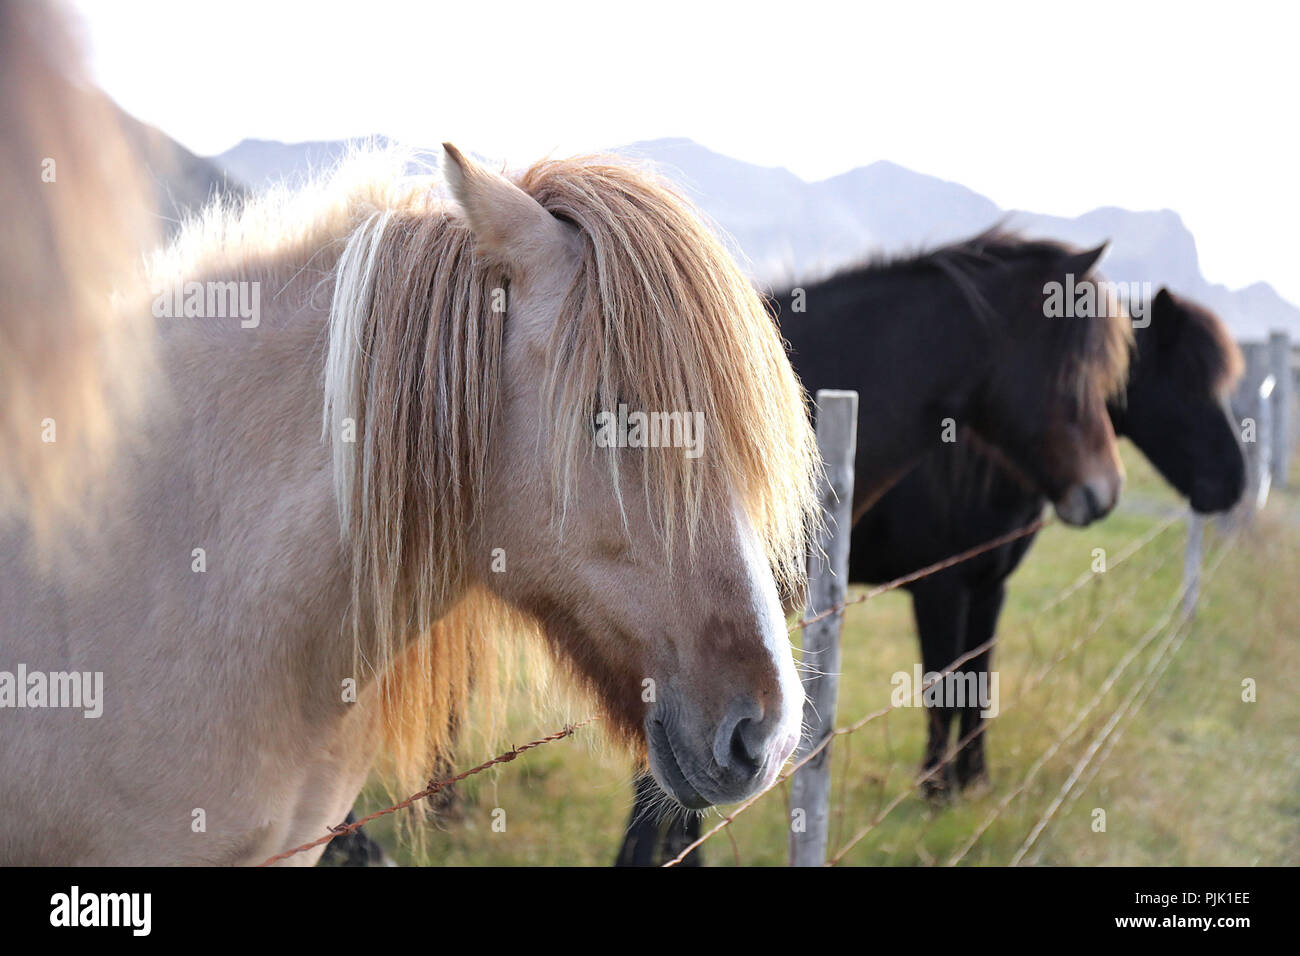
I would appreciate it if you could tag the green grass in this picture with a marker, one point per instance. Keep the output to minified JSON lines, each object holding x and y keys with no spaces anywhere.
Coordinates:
{"x":1197,"y":776}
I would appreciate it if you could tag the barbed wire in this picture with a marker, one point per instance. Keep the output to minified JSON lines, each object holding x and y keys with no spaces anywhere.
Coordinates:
{"x":926,"y":571}
{"x":1168,"y":616}
{"x":1108,"y":735}
{"x":898,"y":582}
{"x":1033,"y":682}
{"x":1131,"y":549}
{"x":437,"y":786}
{"x":434,"y":787}
{"x":1030,"y":686}
{"x":1135,"y":546}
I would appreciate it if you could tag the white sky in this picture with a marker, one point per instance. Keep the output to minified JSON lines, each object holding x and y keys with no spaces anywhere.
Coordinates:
{"x":1055,"y":108}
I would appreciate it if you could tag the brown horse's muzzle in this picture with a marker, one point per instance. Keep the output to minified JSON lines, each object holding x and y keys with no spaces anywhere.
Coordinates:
{"x":1089,"y":500}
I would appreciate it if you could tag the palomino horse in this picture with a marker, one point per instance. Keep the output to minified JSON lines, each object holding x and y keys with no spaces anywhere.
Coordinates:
{"x":957,"y":498}
{"x":958,"y":337}
{"x":222,"y":626}
{"x":74,"y":217}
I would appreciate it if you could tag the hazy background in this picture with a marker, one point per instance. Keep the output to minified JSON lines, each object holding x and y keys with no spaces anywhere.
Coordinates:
{"x":813,"y":132}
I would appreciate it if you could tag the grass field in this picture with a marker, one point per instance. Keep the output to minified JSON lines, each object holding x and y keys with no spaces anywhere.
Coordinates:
{"x":1196,"y":776}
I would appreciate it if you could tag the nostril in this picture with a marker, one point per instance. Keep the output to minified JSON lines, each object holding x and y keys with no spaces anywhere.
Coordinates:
{"x":1091,"y":507}
{"x":741,"y":740}
{"x":747,"y":746}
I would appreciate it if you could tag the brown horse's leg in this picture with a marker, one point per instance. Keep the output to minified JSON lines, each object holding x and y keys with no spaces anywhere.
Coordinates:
{"x":353,"y":849}
{"x":981,"y":625}
{"x":939,"y":603}
{"x":648,"y":824}
{"x":641,"y":838}
{"x":678,"y":835}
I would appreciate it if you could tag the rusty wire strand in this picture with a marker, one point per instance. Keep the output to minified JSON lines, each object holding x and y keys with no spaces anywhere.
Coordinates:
{"x":433,"y":788}
{"x":1105,"y":739}
{"x":926,"y":571}
{"x":1031,"y":528}
{"x":938,"y":566}
{"x":1175,"y":617}
{"x":1035,"y":679}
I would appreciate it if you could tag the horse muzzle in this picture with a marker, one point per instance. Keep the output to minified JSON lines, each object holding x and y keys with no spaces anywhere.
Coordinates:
{"x":700,"y":766}
{"x":1088,"y":501}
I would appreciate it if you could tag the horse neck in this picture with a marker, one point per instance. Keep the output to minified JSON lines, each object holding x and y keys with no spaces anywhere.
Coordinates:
{"x":911,"y":345}
{"x":236,"y":465}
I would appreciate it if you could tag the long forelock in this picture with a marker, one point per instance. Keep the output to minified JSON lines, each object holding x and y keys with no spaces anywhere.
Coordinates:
{"x":1095,"y":350}
{"x":413,"y":371}
{"x":661,"y":319}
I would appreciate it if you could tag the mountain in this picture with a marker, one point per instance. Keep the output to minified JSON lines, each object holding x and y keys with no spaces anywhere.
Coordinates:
{"x":787,"y":228}
{"x":264,"y":162}
{"x":797,"y":228}
{"x":182,"y":182}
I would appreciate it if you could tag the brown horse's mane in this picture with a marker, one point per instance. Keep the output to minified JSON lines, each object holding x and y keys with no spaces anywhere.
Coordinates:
{"x":657,"y":316}
{"x":1203,"y":355}
{"x":1098,"y":348}
{"x":1203,"y":358}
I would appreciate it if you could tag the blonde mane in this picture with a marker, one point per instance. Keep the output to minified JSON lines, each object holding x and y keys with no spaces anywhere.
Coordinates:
{"x":657,"y":316}
{"x":660,"y":317}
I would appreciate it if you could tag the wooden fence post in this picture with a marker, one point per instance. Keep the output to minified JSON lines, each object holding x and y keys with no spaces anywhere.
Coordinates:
{"x":1264,"y":474}
{"x":828,"y":572}
{"x":1295,"y":391}
{"x":1279,"y":354}
{"x":1250,"y":408}
{"x":1192,"y":563}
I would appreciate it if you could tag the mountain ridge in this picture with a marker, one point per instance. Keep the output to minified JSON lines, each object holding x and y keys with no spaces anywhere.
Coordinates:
{"x":802,"y":229}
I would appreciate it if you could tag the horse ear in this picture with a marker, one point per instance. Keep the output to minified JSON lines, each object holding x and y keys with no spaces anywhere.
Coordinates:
{"x":1167,"y":316}
{"x":508,"y":224}
{"x":1079,"y":264}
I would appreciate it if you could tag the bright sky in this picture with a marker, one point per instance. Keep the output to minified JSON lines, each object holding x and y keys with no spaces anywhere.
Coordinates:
{"x":1056,"y":108}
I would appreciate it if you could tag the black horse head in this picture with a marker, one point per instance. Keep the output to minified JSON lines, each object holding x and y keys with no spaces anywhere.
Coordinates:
{"x":1184,"y":363}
